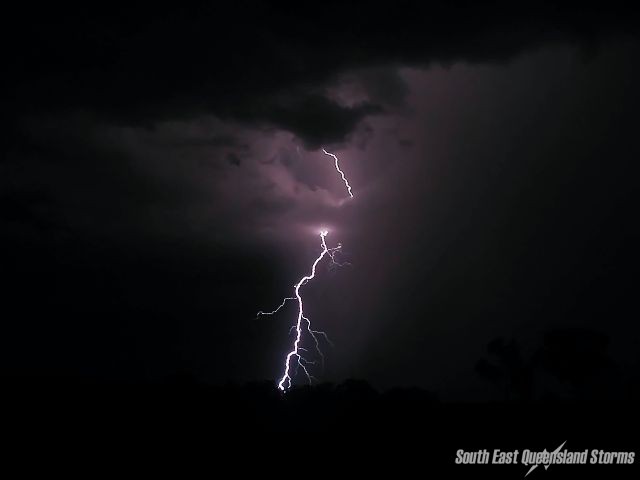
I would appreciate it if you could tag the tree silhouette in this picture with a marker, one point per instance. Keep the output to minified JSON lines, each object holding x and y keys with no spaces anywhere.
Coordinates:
{"x":573,"y":356}
{"x":509,"y":370}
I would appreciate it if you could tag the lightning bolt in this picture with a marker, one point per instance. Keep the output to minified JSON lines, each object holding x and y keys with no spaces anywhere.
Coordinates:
{"x":303,"y":324}
{"x":273,"y":312}
{"x":344,"y":178}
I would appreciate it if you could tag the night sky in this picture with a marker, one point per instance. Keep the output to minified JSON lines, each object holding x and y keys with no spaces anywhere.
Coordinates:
{"x":162,"y":180}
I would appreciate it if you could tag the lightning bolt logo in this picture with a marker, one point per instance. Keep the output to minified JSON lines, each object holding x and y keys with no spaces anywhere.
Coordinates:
{"x":546,"y":466}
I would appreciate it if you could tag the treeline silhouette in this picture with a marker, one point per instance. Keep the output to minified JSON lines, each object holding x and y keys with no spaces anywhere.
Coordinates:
{"x":345,"y":427}
{"x":562,"y":379}
{"x":572,"y":364}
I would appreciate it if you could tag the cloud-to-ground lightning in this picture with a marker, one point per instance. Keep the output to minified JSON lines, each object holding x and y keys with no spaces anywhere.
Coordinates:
{"x":303,"y":323}
{"x":344,"y":178}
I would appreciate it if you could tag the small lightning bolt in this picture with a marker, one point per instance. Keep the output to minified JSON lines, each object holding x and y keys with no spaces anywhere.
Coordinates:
{"x":303,"y":323}
{"x":546,"y":466}
{"x":273,"y":312}
{"x":344,"y":178}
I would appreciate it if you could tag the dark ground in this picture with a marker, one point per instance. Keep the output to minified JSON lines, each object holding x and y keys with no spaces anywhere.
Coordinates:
{"x":344,"y":429}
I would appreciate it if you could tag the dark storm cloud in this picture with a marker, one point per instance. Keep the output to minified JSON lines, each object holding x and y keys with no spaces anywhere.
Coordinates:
{"x":384,"y":86}
{"x":140,"y":65}
{"x":233,"y":159}
{"x":316,"y":119}
{"x":216,"y":141}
